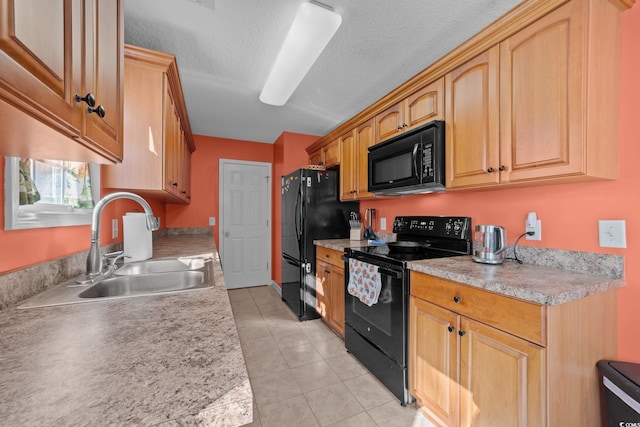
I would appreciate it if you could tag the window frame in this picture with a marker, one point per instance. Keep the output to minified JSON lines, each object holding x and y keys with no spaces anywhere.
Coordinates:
{"x":45,"y":215}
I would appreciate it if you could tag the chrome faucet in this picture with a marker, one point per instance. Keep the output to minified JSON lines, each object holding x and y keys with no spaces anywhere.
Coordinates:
{"x":94,"y":259}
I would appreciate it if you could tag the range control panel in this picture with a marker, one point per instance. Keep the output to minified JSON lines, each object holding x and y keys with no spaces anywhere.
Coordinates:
{"x":454,"y":227}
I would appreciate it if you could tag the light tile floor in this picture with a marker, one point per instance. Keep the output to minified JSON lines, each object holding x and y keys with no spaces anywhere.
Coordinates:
{"x":302,"y":375}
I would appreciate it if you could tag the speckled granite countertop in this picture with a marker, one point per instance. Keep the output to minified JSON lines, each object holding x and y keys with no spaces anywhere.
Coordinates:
{"x":341,"y":244}
{"x":172,"y":359}
{"x":548,"y":276}
{"x":541,"y":284}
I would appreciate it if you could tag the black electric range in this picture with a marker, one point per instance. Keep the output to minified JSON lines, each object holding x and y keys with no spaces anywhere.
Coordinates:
{"x":421,"y":237}
{"x":377,"y":334}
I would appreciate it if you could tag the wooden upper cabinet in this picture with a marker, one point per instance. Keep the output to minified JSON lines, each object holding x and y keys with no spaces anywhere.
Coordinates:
{"x":327,"y":155}
{"x":348,"y":166}
{"x":51,"y":51}
{"x":420,"y":107}
{"x":364,"y":139}
{"x":315,"y":158}
{"x":159,"y":142}
{"x":331,"y":153}
{"x":389,"y":122}
{"x":540,"y":107}
{"x":354,"y":166}
{"x":542,"y":72}
{"x":104,"y":71}
{"x":472,"y":122}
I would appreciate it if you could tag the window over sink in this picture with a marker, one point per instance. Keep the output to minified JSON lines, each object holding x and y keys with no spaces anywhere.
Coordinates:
{"x":49,"y":193}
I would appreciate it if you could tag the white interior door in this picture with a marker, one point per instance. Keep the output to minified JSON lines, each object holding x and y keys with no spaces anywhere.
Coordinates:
{"x":245,"y":223}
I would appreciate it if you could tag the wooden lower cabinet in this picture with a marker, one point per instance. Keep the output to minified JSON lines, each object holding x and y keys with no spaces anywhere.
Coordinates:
{"x":467,"y":372}
{"x":330,"y":288}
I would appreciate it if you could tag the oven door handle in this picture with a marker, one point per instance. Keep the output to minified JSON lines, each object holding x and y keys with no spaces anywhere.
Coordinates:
{"x":396,"y":274}
{"x":393,"y":273}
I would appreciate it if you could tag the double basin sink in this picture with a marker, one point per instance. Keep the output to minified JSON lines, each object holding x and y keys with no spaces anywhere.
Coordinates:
{"x":149,"y":277}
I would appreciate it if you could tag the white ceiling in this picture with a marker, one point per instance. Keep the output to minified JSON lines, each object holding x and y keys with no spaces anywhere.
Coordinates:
{"x":224,"y":56}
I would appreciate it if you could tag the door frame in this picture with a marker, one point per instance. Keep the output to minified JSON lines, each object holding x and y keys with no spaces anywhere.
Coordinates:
{"x":222,"y":162}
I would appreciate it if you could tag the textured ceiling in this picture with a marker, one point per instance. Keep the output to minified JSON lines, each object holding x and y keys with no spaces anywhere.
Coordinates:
{"x":224,"y":56}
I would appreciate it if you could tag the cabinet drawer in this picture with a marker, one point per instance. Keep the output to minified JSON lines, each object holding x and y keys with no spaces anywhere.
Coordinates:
{"x":523,"y":319}
{"x":330,"y":256}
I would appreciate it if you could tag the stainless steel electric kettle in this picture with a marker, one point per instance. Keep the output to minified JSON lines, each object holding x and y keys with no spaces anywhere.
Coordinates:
{"x":489,"y":244}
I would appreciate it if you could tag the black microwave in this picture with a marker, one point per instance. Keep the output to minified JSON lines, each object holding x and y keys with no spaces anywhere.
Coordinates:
{"x":410,"y":163}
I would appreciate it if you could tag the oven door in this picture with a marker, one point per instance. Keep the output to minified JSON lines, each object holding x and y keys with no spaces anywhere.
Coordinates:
{"x":384,"y":323}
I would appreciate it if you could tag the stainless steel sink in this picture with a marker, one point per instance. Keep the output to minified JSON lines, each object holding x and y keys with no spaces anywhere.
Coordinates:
{"x":150,"y":277}
{"x":160,"y":266}
{"x":145,"y":284}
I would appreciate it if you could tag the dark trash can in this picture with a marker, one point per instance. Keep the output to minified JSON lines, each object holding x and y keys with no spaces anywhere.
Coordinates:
{"x":620,"y":393}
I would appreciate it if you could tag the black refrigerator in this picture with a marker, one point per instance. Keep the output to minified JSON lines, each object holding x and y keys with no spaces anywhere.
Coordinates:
{"x":311,"y":210}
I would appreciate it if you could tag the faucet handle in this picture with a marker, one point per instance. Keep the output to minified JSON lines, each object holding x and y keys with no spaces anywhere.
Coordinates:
{"x":113,"y":257}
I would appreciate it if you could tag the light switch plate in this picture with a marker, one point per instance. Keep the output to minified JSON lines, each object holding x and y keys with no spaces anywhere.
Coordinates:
{"x":612,"y":233}
{"x":383,"y":223}
{"x":212,"y":220}
{"x":114,"y":228}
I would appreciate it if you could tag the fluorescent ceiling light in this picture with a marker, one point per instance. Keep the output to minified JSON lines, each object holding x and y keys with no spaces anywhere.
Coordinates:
{"x":310,"y":33}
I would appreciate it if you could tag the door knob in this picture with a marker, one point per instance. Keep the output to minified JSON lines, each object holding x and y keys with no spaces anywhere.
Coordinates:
{"x":226,"y":234}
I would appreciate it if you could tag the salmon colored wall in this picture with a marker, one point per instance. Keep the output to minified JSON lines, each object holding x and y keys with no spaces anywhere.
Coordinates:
{"x":289,"y":155}
{"x":22,"y":248}
{"x":569,"y":213}
{"x":204,"y":178}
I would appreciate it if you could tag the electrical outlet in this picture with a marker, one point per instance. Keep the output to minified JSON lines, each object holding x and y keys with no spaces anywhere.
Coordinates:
{"x":383,"y":223}
{"x":534,"y":225}
{"x":212,"y":220}
{"x":612,"y":233}
{"x":114,"y":228}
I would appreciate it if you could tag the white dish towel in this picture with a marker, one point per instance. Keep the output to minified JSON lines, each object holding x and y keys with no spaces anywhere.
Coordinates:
{"x":364,"y":281}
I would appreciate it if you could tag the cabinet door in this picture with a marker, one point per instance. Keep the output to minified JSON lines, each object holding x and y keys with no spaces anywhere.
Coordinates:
{"x":433,"y":364}
{"x":323,"y":276}
{"x":336,"y":289}
{"x":40,"y":51}
{"x":389,"y":122}
{"x":104,"y":73}
{"x":315,"y":158}
{"x":364,"y":140}
{"x":332,"y":153}
{"x":501,"y":378}
{"x":541,"y":73}
{"x":472,"y":122}
{"x":425,"y":105}
{"x":169,"y":146}
{"x":348,"y":166}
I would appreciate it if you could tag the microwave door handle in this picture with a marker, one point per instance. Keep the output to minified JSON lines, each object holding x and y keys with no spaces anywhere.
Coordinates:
{"x":414,"y":157}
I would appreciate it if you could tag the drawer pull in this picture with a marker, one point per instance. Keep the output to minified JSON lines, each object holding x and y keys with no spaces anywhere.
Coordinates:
{"x":451,"y":328}
{"x":457,"y":299}
{"x":462,"y":333}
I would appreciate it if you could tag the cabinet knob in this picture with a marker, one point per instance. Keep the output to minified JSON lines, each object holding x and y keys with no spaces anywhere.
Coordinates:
{"x":491,"y":170}
{"x":457,"y":299}
{"x":404,"y":125}
{"x":99,"y":110}
{"x":183,"y":192}
{"x":399,"y":127}
{"x":502,"y":168}
{"x":451,"y":328}
{"x":175,"y":184}
{"x":89,"y":99}
{"x":462,"y":333}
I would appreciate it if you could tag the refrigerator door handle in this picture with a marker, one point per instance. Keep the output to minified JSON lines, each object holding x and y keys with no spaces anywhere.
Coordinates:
{"x":291,"y":260}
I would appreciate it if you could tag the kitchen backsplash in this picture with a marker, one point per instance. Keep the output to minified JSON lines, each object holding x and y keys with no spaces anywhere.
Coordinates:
{"x":584,"y":262}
